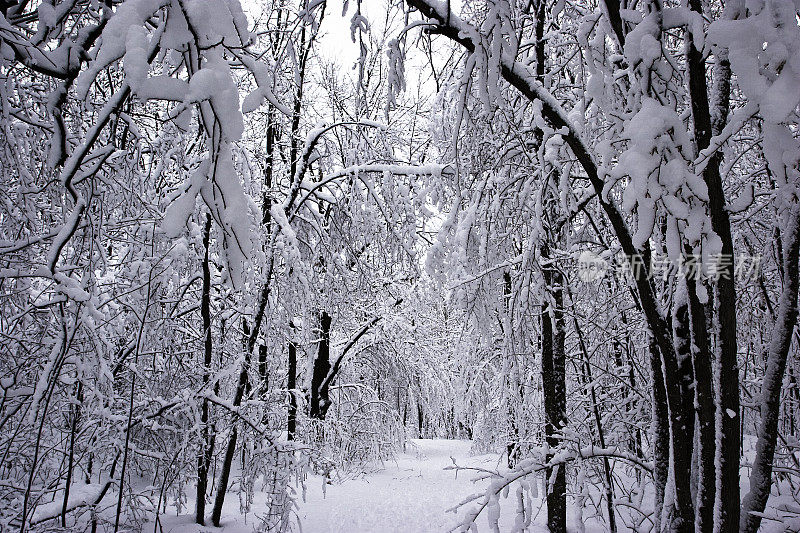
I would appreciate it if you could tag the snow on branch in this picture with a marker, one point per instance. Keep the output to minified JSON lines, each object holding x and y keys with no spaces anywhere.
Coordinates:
{"x":312,"y":188}
{"x":489,"y":499}
{"x":312,"y":138}
{"x":79,"y":496}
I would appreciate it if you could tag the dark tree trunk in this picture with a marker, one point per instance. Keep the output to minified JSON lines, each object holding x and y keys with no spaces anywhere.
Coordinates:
{"x":204,"y":455}
{"x":224,"y":476}
{"x":780,"y":343}
{"x":266,"y":198}
{"x":263,"y":378}
{"x":513,"y":383}
{"x":75,"y":415}
{"x":682,"y":516}
{"x":318,"y":406}
{"x":263,"y":372}
{"x":291,"y":385}
{"x":683,"y":351}
{"x":660,"y":432}
{"x":683,"y":342}
{"x":727,"y":456}
{"x":554,"y":388}
{"x":227,"y":462}
{"x":704,"y":412}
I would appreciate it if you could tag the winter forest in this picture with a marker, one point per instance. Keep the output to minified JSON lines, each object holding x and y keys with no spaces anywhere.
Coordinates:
{"x":399,"y":265}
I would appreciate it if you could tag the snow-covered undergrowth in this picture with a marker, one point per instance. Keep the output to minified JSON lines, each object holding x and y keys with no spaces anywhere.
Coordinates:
{"x":411,"y":493}
{"x":416,"y":492}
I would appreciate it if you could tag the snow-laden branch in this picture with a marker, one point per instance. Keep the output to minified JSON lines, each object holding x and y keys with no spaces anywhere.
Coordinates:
{"x":489,"y":498}
{"x":264,"y":80}
{"x":734,"y":125}
{"x":361,"y":332}
{"x":75,"y":161}
{"x":79,"y":496}
{"x":396,"y":169}
{"x":312,"y":138}
{"x":505,"y":264}
{"x":64,"y":234}
{"x":522,"y":78}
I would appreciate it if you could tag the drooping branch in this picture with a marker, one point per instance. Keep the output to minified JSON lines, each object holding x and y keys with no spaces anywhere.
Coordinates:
{"x":353,"y":340}
{"x":524,"y":80}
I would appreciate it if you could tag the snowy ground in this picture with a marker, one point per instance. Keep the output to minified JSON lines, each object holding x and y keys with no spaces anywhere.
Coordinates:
{"x":410,"y":494}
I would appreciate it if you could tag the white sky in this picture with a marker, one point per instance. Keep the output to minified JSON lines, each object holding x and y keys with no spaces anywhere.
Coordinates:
{"x":336,"y":42}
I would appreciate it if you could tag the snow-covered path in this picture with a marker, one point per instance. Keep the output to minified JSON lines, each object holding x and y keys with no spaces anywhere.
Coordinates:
{"x":412,"y":494}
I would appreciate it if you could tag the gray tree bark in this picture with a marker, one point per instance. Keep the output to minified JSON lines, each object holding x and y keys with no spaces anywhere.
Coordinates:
{"x":761,"y":476}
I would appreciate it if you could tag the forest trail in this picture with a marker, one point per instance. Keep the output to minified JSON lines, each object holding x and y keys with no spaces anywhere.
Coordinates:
{"x":412,"y":494}
{"x":409,"y":494}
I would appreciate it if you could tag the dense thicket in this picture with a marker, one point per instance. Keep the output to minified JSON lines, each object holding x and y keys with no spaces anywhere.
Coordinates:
{"x":565,"y":230}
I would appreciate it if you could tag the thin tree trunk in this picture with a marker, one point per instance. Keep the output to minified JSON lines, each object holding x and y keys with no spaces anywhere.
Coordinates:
{"x":204,"y":456}
{"x":224,"y":476}
{"x":761,"y":476}
{"x":554,"y":388}
{"x":291,"y":385}
{"x":263,"y":377}
{"x":635,"y":441}
{"x":588,"y":381}
{"x":76,"y":413}
{"x":266,"y":199}
{"x":318,"y":406}
{"x":130,"y":405}
{"x":704,"y":412}
{"x":225,"y":469}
